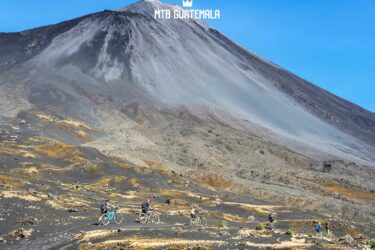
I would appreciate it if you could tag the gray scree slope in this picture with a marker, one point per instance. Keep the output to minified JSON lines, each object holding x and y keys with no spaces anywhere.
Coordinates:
{"x":127,"y":55}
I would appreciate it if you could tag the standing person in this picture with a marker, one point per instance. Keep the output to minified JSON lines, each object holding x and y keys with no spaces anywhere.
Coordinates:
{"x":327,"y":231}
{"x":317,"y":227}
{"x":272,"y":220}
{"x":146,"y":206}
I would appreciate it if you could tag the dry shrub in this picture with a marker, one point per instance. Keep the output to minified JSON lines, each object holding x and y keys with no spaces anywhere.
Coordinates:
{"x":180,"y":203}
{"x":133,"y":182}
{"x":58,"y":150}
{"x":10,"y":181}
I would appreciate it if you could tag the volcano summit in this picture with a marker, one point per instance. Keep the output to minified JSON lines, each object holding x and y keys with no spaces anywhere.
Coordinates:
{"x":178,"y":62}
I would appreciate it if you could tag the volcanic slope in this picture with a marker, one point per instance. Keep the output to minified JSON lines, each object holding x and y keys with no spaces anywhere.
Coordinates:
{"x":128,"y":55}
{"x":52,"y":188}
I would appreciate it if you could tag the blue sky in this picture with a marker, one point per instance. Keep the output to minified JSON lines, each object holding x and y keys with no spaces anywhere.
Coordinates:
{"x":328,"y":42}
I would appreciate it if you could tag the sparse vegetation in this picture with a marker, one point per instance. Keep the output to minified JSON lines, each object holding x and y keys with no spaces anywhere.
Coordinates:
{"x":260,"y":226}
{"x":179,"y":213}
{"x":59,"y":150}
{"x":133,"y":182}
{"x":9,"y":181}
{"x":212,"y":179}
{"x":73,"y":178}
{"x":223,"y":224}
{"x":371,"y":243}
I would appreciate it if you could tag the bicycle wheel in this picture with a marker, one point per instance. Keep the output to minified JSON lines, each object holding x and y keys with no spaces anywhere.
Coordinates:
{"x":193,"y":221}
{"x":103,"y":220}
{"x":142,"y":218}
{"x":155,"y":218}
{"x":118,"y":218}
{"x":203,"y":222}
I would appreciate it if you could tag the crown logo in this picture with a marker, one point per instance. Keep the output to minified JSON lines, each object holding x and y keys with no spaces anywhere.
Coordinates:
{"x":187,"y":3}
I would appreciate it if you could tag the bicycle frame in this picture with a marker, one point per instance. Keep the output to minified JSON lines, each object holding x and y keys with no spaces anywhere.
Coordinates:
{"x":198,"y":219}
{"x":111,"y":214}
{"x":149,"y":215}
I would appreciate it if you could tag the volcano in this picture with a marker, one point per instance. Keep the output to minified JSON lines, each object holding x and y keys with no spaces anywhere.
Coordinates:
{"x":129,"y":56}
{"x":124,"y":106}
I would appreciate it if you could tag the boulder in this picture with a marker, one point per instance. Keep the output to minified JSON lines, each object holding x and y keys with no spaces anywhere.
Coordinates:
{"x":347,"y":240}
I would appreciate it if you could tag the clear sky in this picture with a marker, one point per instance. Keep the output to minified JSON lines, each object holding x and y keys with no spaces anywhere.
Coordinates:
{"x":328,"y":42}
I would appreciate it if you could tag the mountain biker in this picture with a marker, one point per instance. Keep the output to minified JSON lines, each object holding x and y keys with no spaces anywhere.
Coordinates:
{"x":193,"y":213}
{"x":146,"y":206}
{"x":327,"y":230}
{"x":106,"y":207}
{"x":317,"y":227}
{"x":271,"y":218}
{"x":326,"y":227}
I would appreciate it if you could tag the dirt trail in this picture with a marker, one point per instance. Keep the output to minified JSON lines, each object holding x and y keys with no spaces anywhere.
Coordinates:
{"x":53,"y":190}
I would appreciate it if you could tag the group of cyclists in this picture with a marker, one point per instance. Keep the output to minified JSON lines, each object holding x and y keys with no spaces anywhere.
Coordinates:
{"x":320,"y":231}
{"x":108,"y":209}
{"x":318,"y":228}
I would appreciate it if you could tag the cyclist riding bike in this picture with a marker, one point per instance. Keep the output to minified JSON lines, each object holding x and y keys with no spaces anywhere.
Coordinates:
{"x":147,"y":215}
{"x":193,"y":213}
{"x":196,"y":218}
{"x":109,"y":213}
{"x":272,"y":220}
{"x":106,"y":207}
{"x":146,"y":206}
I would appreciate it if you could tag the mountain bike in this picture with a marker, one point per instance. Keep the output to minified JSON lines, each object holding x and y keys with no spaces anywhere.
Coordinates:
{"x":198,"y":221}
{"x":112,"y":215}
{"x":151,"y":216}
